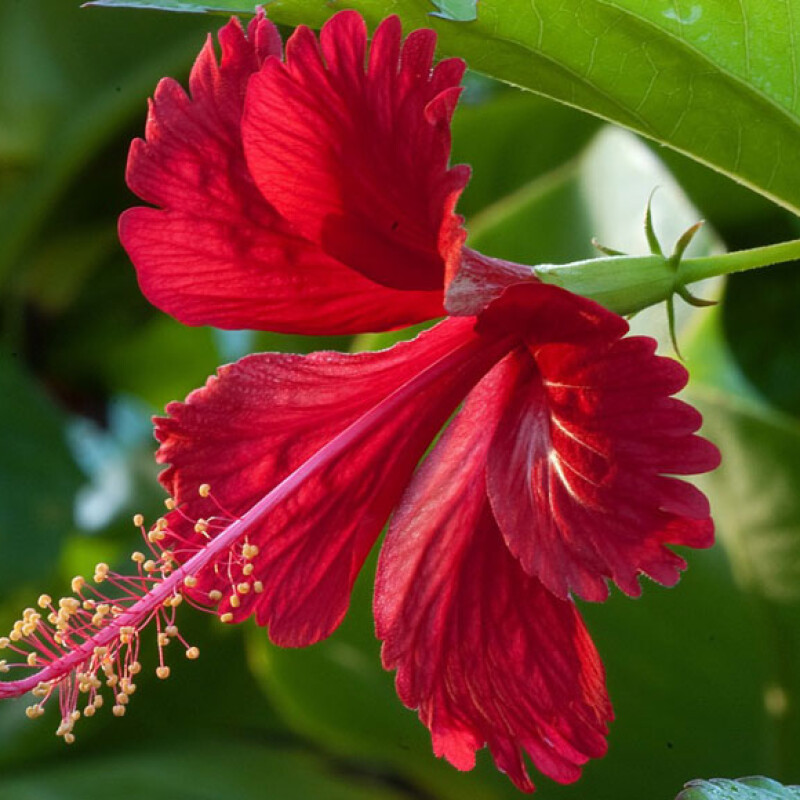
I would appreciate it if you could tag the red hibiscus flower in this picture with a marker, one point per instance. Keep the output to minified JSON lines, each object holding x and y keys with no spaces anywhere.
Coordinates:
{"x":312,"y":193}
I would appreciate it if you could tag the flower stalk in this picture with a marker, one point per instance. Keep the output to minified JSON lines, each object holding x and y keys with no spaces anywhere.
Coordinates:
{"x":627,"y":284}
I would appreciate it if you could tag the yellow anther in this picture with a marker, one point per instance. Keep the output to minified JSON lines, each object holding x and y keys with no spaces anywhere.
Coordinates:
{"x":127,"y":630}
{"x":89,"y":605}
{"x":192,"y":653}
{"x":88,"y":711}
{"x":162,"y":672}
{"x":69,"y":738}
{"x":4,"y":665}
{"x":28,"y":628}
{"x":117,"y":610}
{"x":15,"y":635}
{"x":52,"y":617}
{"x":134,"y":668}
{"x":118,"y":711}
{"x":190,"y":581}
{"x":32,"y":659}
{"x":129,"y":688}
{"x":250,"y":550}
{"x":40,"y":690}
{"x":215,"y":595}
{"x":201,"y":526}
{"x":162,"y":524}
{"x":163,"y":640}
{"x":4,"y":642}
{"x":103,"y":609}
{"x":204,"y":490}
{"x":98,"y":701}
{"x":156,"y":536}
{"x":258,"y":587}
{"x":171,"y":630}
{"x":122,"y":699}
{"x":32,"y":712}
{"x":234,"y":601}
{"x":70,"y":604}
{"x":101,"y":567}
{"x":138,"y":520}
{"x":137,"y":557}
{"x":226,"y":617}
{"x":78,"y":582}
{"x":243,"y":588}
{"x":167,"y":556}
{"x":247,"y":569}
{"x":170,"y":504}
{"x":112,"y":681}
{"x":44,"y":601}
{"x":99,"y":652}
{"x":177,"y":599}
{"x":150,"y":565}
{"x":75,"y":715}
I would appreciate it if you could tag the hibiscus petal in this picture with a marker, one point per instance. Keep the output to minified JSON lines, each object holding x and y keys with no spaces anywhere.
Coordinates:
{"x":354,"y":150}
{"x":483,"y":651}
{"x":272,"y":415}
{"x":578,"y":470}
{"x":215,"y":251}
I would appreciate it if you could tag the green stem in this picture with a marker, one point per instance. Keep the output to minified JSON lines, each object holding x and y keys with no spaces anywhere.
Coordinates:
{"x":627,"y":284}
{"x":697,"y":269}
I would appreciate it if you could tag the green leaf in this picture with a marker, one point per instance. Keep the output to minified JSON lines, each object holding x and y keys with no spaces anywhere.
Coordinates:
{"x":457,"y":10}
{"x":188,"y":6}
{"x":755,"y":788}
{"x":718,"y":82}
{"x":203,"y":770}
{"x":38,"y":478}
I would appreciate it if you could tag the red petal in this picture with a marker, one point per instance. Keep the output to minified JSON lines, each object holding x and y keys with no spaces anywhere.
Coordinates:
{"x":578,"y":468}
{"x":356,"y":157}
{"x":215,"y":251}
{"x":482,"y":649}
{"x":271,"y":415}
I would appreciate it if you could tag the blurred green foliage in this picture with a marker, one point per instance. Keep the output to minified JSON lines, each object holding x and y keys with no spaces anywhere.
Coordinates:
{"x":705,"y":677}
